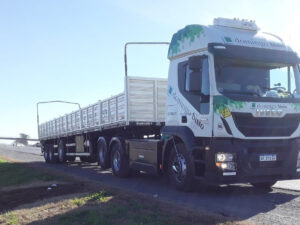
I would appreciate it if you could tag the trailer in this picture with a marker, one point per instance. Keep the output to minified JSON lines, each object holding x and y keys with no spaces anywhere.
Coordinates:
{"x":229,"y":112}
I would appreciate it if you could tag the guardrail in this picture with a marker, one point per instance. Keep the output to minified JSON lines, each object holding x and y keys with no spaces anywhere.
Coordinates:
{"x":19,"y":139}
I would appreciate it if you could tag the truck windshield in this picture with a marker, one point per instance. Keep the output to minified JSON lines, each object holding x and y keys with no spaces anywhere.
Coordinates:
{"x":248,"y":79}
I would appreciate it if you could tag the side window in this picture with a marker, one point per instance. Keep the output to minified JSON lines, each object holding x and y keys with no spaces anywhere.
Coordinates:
{"x":193,"y":82}
{"x":193,"y":79}
{"x":187,"y":77}
{"x":205,"y":78}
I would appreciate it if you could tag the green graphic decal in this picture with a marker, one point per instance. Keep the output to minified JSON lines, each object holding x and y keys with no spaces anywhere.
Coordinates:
{"x":227,"y":39}
{"x":170,"y":90}
{"x":296,"y":106}
{"x":222,"y":103}
{"x":189,"y":32}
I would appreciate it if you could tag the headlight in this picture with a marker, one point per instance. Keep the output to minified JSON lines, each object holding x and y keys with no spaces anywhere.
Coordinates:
{"x":224,"y":157}
{"x":298,"y":160}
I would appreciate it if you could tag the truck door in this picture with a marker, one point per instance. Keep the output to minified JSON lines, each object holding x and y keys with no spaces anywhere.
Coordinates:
{"x":194,"y":85}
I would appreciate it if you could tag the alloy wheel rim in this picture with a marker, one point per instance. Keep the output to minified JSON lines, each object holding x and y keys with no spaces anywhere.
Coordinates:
{"x":179,"y":167}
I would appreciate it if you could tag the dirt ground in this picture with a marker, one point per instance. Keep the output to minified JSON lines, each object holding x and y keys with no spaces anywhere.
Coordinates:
{"x":13,"y":198}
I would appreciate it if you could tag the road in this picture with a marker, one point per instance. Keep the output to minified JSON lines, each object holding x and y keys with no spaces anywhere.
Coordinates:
{"x":279,"y":206}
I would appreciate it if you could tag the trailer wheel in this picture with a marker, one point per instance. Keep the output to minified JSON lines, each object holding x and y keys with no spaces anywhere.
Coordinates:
{"x":62,"y":152}
{"x":52,"y":157}
{"x":102,"y":155}
{"x":46,"y":153}
{"x":181,"y":168}
{"x":119,"y":161}
{"x":264,"y":185}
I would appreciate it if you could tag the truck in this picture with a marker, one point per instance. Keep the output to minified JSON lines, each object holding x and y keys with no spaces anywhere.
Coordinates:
{"x":229,"y":112}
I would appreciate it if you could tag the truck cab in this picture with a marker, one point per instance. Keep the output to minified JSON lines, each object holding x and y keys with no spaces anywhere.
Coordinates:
{"x":233,"y":102}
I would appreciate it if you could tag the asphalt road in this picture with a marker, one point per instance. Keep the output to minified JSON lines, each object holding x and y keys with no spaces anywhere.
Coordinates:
{"x":279,"y":206}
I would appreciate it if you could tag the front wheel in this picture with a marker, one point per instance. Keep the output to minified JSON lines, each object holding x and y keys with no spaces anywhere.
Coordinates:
{"x":264,"y":185}
{"x":181,"y":168}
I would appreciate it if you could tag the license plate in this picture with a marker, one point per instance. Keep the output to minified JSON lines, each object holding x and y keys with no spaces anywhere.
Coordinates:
{"x":267,"y":157}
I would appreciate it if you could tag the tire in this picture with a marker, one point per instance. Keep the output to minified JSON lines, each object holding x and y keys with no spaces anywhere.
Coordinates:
{"x":61,"y":152}
{"x":119,"y":160}
{"x":71,"y":158}
{"x":52,"y":157}
{"x":181,"y":168}
{"x":102,"y":154}
{"x":264,"y":185}
{"x":46,"y":153}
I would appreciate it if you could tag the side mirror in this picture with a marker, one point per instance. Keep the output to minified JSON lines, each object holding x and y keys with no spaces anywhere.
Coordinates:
{"x":194,"y":82}
{"x":195,"y":63}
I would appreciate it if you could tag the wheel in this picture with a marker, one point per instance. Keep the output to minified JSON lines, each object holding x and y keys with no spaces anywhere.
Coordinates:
{"x":71,"y":158}
{"x":61,"y":152}
{"x":46,"y":153}
{"x":264,"y":185}
{"x":181,"y":168}
{"x":52,"y":157}
{"x":102,"y":154}
{"x":119,"y":161}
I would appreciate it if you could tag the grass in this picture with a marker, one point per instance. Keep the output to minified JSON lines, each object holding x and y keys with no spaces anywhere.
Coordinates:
{"x":17,"y":174}
{"x":104,"y":209}
{"x":10,"y":219}
{"x":98,"y":197}
{"x":94,"y":208}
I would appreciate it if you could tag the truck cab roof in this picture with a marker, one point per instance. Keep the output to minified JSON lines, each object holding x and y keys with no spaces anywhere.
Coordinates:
{"x":194,"y":38}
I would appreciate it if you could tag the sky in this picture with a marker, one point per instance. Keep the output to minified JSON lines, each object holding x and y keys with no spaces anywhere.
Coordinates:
{"x":74,"y":50}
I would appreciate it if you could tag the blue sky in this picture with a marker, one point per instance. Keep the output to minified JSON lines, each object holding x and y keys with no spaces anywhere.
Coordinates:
{"x":73,"y":50}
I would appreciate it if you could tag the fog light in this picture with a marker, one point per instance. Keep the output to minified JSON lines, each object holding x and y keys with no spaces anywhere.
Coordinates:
{"x":226,"y":166}
{"x":224,"y":157}
{"x":298,"y":160}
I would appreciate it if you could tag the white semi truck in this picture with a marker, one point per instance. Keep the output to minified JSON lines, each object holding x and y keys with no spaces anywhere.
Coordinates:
{"x":229,"y":112}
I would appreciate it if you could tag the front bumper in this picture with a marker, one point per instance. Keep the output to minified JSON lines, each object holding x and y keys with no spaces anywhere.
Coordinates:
{"x":248,"y":166}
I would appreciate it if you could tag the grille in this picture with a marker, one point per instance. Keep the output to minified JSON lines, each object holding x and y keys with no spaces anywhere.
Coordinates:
{"x":251,"y":126}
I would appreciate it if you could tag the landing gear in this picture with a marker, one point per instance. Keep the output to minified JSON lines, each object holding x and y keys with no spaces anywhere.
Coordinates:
{"x":46,"y":153}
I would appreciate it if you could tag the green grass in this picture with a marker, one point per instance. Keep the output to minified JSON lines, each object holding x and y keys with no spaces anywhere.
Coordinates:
{"x":10,"y":219}
{"x":16,"y":174}
{"x":98,"y":197}
{"x":104,"y":209}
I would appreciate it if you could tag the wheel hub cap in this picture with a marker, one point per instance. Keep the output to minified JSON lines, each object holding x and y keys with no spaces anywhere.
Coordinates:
{"x":179,"y":167}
